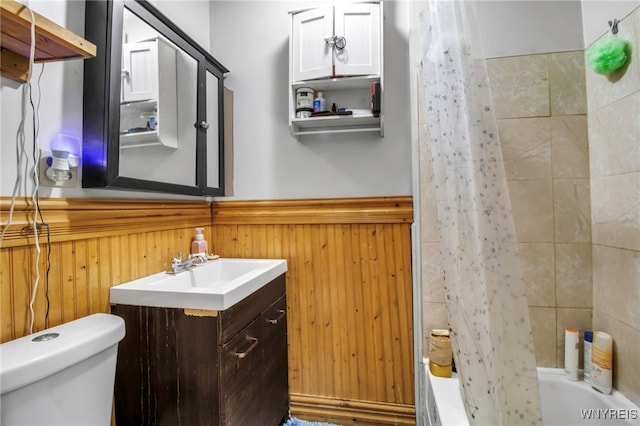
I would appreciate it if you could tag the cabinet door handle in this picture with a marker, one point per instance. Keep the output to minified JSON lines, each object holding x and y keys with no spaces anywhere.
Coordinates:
{"x":275,"y":321}
{"x":339,"y":42}
{"x":254,"y":342}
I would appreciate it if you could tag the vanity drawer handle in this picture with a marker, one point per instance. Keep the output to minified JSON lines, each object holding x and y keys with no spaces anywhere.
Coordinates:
{"x":254,"y":343}
{"x":275,"y":321}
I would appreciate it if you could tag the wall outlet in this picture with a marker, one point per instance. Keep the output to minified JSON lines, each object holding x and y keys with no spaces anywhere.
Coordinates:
{"x":44,"y":165}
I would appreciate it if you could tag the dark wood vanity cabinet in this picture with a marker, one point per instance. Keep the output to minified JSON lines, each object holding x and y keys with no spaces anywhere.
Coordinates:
{"x":192,"y":367}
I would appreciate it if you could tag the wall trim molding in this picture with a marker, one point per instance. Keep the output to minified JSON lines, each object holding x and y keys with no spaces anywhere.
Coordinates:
{"x":314,"y":211}
{"x":349,"y":411}
{"x":80,"y":218}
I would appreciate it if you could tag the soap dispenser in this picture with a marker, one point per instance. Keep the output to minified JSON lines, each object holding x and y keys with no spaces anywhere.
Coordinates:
{"x":199,"y":244}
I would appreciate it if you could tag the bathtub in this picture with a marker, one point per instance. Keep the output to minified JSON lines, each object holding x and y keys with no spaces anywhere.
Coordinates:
{"x":564,"y":403}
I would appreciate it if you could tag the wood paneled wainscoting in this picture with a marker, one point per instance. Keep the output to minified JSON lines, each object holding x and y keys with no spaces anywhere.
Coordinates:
{"x":349,"y":299}
{"x":349,"y":293}
{"x":95,"y":244}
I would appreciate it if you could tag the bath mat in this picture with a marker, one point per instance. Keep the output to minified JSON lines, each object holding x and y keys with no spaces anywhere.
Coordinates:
{"x":297,"y":422}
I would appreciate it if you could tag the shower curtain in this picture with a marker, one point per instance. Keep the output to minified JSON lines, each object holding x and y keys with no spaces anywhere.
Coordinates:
{"x":488,"y":313}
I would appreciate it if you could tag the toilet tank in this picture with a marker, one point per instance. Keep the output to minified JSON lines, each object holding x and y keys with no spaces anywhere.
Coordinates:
{"x":63,"y":375}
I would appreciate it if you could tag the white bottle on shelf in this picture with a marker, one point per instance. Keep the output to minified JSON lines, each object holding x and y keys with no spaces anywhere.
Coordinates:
{"x":319,"y":103}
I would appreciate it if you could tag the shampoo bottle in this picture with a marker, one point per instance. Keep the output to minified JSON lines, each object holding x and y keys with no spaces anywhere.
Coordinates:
{"x":199,"y":244}
{"x":601,"y":362}
{"x":588,"y":340}
{"x":319,"y":103}
{"x":571,"y":345}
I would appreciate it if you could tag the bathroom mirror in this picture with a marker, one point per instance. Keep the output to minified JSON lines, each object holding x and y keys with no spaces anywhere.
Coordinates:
{"x":153,"y":106}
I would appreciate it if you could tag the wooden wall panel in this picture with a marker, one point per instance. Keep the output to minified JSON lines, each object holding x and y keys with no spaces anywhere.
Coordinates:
{"x":349,"y":300}
{"x":95,"y":244}
{"x":80,"y":275}
{"x":348,"y":284}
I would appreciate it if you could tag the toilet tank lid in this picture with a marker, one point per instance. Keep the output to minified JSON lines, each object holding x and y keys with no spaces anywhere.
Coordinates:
{"x":24,"y":361}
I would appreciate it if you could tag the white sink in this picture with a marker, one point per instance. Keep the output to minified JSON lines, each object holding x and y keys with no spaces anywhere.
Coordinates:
{"x":216,"y":285}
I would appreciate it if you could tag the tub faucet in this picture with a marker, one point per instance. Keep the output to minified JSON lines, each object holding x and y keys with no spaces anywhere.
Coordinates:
{"x":178,"y":265}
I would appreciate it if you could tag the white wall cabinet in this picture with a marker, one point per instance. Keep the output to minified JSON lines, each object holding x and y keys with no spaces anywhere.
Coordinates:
{"x":339,"y":40}
{"x":149,"y":76}
{"x":337,"y":50}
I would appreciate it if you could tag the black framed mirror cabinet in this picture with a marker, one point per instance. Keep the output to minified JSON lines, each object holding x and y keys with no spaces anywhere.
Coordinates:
{"x":153,"y":104}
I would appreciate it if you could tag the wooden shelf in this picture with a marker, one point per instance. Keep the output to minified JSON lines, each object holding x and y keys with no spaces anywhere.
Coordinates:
{"x":53,"y":42}
{"x":335,"y":124}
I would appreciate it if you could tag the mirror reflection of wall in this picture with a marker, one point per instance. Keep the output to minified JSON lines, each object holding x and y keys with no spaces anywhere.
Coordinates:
{"x":158,"y":106}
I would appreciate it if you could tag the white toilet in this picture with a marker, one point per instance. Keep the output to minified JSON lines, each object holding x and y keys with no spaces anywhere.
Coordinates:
{"x":61,"y":376}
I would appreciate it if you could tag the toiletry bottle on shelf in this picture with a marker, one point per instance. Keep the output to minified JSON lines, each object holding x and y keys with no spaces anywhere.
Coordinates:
{"x":440,"y":353}
{"x":319,"y":103}
{"x":588,"y":339}
{"x":375,"y":99}
{"x":199,"y":244}
{"x":601,"y":362}
{"x":571,"y":345}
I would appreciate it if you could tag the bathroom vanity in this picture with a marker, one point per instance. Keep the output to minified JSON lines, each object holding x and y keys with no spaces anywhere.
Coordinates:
{"x":185,"y":366}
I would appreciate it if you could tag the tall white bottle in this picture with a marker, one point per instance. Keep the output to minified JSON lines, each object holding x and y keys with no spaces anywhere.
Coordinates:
{"x":571,"y":346}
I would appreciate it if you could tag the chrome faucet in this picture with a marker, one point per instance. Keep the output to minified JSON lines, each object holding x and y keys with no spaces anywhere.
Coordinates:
{"x":178,"y":265}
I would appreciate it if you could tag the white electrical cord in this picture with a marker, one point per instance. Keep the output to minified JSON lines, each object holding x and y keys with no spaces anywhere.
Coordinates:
{"x":21,"y":153}
{"x":23,"y":161}
{"x":36,"y":182}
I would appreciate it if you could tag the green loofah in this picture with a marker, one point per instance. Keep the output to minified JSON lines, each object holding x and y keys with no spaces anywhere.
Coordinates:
{"x":608,"y":55}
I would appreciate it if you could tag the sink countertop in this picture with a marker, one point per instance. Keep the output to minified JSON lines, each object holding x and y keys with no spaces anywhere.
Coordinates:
{"x":215,"y":285}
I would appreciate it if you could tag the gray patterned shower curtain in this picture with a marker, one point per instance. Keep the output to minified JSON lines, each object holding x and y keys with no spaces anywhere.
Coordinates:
{"x":488,"y":313}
